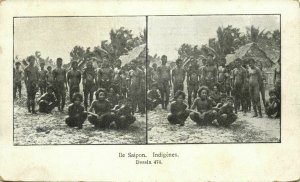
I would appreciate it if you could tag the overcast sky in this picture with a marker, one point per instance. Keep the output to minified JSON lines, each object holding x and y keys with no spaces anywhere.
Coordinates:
{"x":167,"y":33}
{"x":55,"y":37}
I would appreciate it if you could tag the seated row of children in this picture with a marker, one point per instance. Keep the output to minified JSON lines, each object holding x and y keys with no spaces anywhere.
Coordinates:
{"x":206,"y":109}
{"x":102,"y":112}
{"x":210,"y":107}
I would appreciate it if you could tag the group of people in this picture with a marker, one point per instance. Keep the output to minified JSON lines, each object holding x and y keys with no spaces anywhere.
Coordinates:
{"x":214,"y":92}
{"x":119,"y":91}
{"x":217,"y":92}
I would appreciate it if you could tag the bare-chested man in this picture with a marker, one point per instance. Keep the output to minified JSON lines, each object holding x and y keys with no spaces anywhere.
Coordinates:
{"x":277,"y":79}
{"x":18,"y":77}
{"x":89,"y":80}
{"x":164,"y":81}
{"x":154,"y":75}
{"x":178,"y":76}
{"x":73,"y":79}
{"x":210,"y":73}
{"x":239,"y":76}
{"x":105,"y":75}
{"x":193,"y":81}
{"x":149,"y":75}
{"x":222,"y":76}
{"x":116,"y":81}
{"x":136,"y":87}
{"x":42,"y":78}
{"x":254,"y":83}
{"x":31,"y":74}
{"x":60,"y":84}
{"x":204,"y":63}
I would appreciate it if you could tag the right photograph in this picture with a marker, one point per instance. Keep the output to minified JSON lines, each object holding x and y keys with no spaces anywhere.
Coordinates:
{"x":214,"y":79}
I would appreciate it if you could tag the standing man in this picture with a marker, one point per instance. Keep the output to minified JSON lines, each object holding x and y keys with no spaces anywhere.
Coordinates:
{"x":31,"y":74}
{"x":178,"y":76}
{"x":105,"y":75}
{"x":204,"y":64}
{"x":116,"y":82}
{"x":136,"y":83}
{"x":89,"y":80}
{"x":277,"y":79}
{"x":210,"y":73}
{"x":222,"y":76}
{"x":193,"y":81}
{"x":149,"y":71}
{"x":60,"y":84}
{"x":42,"y":78}
{"x":239,"y":76}
{"x":73,"y":79}
{"x":255,"y":80}
{"x":164,"y":81}
{"x":18,"y":76}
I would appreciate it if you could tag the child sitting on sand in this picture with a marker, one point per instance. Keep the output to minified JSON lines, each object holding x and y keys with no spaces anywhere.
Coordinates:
{"x":204,"y":114}
{"x":178,"y":108}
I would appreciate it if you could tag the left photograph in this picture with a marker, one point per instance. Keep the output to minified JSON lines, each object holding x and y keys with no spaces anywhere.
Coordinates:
{"x":79,"y":80}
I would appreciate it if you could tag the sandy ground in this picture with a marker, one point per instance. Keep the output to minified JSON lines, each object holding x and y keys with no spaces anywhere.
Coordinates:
{"x":51,"y":129}
{"x":245,"y":129}
{"x":41,"y":128}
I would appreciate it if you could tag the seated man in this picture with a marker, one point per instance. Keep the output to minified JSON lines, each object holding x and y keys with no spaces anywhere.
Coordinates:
{"x":178,"y":108}
{"x":153,"y":97}
{"x":47,"y":101}
{"x":102,"y":116}
{"x":225,"y":115}
{"x":123,"y":116}
{"x":273,"y":105}
{"x":76,"y":112}
{"x":112,"y":97}
{"x":205,"y":114}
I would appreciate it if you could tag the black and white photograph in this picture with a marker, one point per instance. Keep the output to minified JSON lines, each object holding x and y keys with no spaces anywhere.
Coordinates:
{"x":214,"y":79}
{"x":79,"y":80}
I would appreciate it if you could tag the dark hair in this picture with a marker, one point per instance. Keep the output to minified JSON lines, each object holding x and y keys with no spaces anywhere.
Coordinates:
{"x":163,"y":56}
{"x":154,"y":84}
{"x":223,"y":95}
{"x":99,"y":91}
{"x":179,"y":93}
{"x":73,"y":63}
{"x":178,"y":60}
{"x":50,"y":87}
{"x":17,"y":63}
{"x":229,"y":98}
{"x":59,"y":59}
{"x":238,"y":60}
{"x":202,"y":88}
{"x":135,"y":61}
{"x":251,"y":60}
{"x":49,"y":67}
{"x":272,"y":91}
{"x":77,"y":95}
{"x":210,"y":55}
{"x":30,"y":58}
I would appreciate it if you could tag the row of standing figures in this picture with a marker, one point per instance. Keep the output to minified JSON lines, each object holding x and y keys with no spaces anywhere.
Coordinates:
{"x":244,"y":83}
{"x":118,"y":91}
{"x":225,"y":91}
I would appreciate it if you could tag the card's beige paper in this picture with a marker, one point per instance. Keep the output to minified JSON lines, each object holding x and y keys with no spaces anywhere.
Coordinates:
{"x":201,"y":162}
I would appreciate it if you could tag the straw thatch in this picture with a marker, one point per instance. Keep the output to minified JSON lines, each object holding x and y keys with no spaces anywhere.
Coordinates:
{"x":250,"y":50}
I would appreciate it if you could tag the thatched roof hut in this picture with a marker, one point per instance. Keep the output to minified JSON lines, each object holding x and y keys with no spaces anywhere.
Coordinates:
{"x":251,"y":50}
